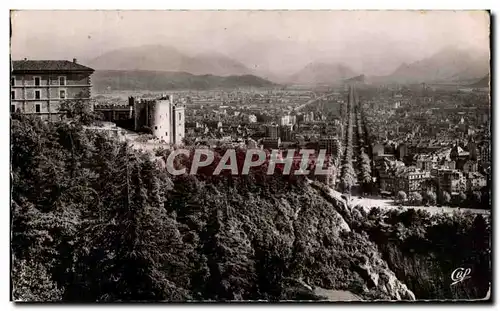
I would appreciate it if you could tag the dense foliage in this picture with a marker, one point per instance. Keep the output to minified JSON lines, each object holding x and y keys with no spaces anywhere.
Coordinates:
{"x":423,"y":250}
{"x":94,"y":220}
{"x":364,"y":161}
{"x":363,"y":174}
{"x":347,"y":173}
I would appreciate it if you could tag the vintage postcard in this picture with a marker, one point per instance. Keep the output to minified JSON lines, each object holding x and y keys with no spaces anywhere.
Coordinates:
{"x":178,"y":156}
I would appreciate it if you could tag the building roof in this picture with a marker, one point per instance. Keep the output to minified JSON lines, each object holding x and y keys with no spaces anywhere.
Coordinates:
{"x":48,"y":65}
{"x":474,"y":175}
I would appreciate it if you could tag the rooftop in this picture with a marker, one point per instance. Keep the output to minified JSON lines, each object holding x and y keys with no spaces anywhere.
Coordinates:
{"x":49,"y":65}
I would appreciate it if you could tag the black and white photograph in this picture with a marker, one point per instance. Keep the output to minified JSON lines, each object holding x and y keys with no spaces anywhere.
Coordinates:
{"x":171,"y":156}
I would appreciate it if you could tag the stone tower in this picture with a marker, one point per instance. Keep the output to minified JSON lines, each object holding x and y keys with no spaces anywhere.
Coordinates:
{"x":167,"y":120}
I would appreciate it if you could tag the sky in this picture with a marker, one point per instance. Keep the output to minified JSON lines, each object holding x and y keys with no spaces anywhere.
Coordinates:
{"x":375,"y":42}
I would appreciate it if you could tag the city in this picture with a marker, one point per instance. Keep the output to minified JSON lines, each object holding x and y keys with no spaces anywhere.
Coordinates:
{"x":406,"y":162}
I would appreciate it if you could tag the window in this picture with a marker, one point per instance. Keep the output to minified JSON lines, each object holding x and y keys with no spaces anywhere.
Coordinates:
{"x":62,"y":94}
{"x":13,"y":81}
{"x":37,"y":94}
{"x":37,"y":108}
{"x":12,"y":94}
{"x":37,"y":81}
{"x":166,"y":133}
{"x":180,"y":116}
{"x":12,"y":108}
{"x":156,"y":127}
{"x":62,"y":80}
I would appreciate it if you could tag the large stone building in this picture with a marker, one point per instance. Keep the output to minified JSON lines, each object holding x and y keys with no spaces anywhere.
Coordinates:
{"x":331,"y":144}
{"x":408,"y":179}
{"x":286,"y":132}
{"x":272,"y":131}
{"x":414,"y":180}
{"x":451,"y":181}
{"x":40,"y":86}
{"x":165,"y":118}
{"x":159,"y":116}
{"x":475,"y":181}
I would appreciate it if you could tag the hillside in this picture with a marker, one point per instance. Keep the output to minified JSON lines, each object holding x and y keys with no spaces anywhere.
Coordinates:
{"x":449,"y":64}
{"x":360,"y":79}
{"x":321,"y":74}
{"x":484,"y":82}
{"x":93,"y":220}
{"x":166,"y":58}
{"x":105,"y":80}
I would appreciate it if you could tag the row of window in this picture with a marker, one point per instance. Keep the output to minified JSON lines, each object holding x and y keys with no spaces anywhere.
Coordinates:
{"x":37,"y":81}
{"x":418,"y":176}
{"x":38,"y":93}
{"x":37,"y":108}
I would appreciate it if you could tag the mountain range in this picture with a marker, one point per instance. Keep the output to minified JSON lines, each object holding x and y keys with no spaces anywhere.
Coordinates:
{"x":357,"y":79}
{"x":484,"y":82}
{"x":106,"y":80}
{"x":451,"y":64}
{"x":166,"y":58}
{"x":321,"y":74}
{"x":448,"y":65}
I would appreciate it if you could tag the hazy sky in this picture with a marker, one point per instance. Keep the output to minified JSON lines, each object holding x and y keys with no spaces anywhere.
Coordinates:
{"x":373,"y":41}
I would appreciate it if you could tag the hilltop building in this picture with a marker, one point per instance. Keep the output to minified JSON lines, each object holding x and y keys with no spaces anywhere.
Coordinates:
{"x":161,"y":117}
{"x":165,"y":118}
{"x":40,"y":86}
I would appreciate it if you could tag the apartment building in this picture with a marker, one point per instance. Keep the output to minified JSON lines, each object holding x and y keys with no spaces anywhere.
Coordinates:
{"x":414,"y":180}
{"x":475,"y":181}
{"x":451,"y":181}
{"x":330,"y":144}
{"x":40,"y":86}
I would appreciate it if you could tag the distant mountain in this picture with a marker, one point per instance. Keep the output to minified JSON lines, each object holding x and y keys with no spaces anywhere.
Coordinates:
{"x":450,"y":64}
{"x":166,"y":58}
{"x":484,"y":82}
{"x":106,"y":80}
{"x":321,"y":73}
{"x":359,"y":79}
{"x":273,"y":59}
{"x":478,"y":68}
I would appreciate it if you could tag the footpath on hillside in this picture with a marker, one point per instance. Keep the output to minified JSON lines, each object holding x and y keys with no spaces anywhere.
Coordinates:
{"x":369,"y":202}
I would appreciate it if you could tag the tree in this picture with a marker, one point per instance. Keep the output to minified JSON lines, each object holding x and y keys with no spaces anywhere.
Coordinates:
{"x":475,"y":199}
{"x":485,"y":199}
{"x":461,"y":199}
{"x":430,"y":197}
{"x":336,"y":152}
{"x":415,"y":198}
{"x":401,"y":197}
{"x":95,"y":220}
{"x":345,"y":184}
{"x":188,"y":141}
{"x":445,"y":198}
{"x":32,"y":283}
{"x":80,"y":111}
